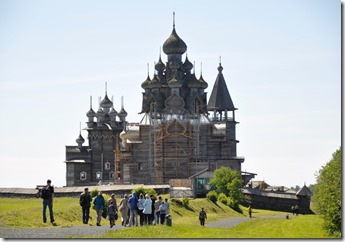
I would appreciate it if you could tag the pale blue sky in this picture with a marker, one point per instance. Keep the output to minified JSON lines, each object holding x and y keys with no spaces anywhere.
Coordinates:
{"x":281,"y":59}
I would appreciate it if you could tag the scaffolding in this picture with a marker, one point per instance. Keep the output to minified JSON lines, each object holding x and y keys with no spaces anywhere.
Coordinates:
{"x":118,"y":155}
{"x":173,"y":145}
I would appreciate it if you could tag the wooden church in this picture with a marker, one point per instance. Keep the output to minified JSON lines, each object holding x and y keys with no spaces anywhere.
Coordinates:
{"x":181,"y":132}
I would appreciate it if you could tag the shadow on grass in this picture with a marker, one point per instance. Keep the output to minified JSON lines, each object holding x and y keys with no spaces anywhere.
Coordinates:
{"x":180,"y":204}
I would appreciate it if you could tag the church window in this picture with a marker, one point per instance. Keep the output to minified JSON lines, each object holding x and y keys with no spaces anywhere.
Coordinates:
{"x":98,"y":175}
{"x":140,"y":166}
{"x":111,"y":175}
{"x":107,"y":166}
{"x":83,"y":176}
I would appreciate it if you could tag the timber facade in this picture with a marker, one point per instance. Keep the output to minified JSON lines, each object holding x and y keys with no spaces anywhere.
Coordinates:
{"x":180,"y":134}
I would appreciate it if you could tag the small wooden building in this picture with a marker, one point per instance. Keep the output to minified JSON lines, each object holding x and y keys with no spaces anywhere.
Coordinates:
{"x":278,"y":199}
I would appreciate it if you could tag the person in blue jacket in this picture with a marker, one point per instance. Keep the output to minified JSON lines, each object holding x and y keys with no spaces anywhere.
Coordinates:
{"x":99,"y":203}
{"x":133,"y":206}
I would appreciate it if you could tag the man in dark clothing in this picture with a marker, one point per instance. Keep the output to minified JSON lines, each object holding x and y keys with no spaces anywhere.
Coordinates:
{"x":85,"y":200}
{"x":48,"y":196}
{"x":202,"y":217}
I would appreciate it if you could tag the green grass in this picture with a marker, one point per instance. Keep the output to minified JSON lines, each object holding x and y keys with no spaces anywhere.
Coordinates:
{"x":27,"y":212}
{"x":16,"y":212}
{"x":302,"y":226}
{"x":308,"y":226}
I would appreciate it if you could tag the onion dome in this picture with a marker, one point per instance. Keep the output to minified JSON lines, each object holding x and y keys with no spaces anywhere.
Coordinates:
{"x":220,"y":68}
{"x":122,"y":113}
{"x":100,"y":113}
{"x":174,"y":65}
{"x":187,"y":65}
{"x":113,"y":112}
{"x":106,"y":103}
{"x":160,"y":65}
{"x":155,"y":82}
{"x":193,"y":82}
{"x":174,"y":82}
{"x":203,"y":84}
{"x":91,"y":113}
{"x":146,"y":83}
{"x":80,"y":140}
{"x":174,"y":44}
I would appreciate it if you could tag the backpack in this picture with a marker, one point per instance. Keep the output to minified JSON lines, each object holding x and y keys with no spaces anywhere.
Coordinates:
{"x":46,"y":193}
{"x":82,"y":199}
{"x":202,"y":215}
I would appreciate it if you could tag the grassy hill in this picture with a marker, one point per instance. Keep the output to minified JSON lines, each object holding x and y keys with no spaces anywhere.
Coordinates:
{"x":17,"y":212}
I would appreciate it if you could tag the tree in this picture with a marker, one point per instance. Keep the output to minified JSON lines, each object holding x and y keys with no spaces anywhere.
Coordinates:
{"x":327,"y":196}
{"x":229,"y":182}
{"x":235,"y":192}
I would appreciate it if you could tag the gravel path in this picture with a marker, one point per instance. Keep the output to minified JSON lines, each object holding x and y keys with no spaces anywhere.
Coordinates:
{"x":230,"y":222}
{"x":78,"y":231}
{"x":56,"y":232}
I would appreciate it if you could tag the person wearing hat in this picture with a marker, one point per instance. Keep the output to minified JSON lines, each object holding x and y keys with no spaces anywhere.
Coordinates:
{"x":48,"y":195}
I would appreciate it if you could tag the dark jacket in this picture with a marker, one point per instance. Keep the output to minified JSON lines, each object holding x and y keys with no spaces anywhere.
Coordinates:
{"x":99,"y":202}
{"x":85,"y":200}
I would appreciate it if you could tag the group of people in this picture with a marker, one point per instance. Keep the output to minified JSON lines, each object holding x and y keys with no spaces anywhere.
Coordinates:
{"x":149,"y":210}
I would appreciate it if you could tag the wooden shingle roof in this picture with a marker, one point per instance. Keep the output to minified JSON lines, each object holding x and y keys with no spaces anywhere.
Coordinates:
{"x":220,"y":99}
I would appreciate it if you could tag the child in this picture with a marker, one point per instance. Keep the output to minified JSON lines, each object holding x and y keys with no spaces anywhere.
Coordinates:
{"x":202,"y":217}
{"x":111,"y":214}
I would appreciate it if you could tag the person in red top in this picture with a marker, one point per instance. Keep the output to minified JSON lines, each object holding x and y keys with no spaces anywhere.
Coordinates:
{"x":47,"y":195}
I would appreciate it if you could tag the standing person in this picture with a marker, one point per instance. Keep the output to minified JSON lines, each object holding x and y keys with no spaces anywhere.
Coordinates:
{"x":141,"y":202}
{"x":153,"y":218}
{"x":250,"y":211}
{"x":163,"y":211}
{"x":111,"y":213}
{"x":123,"y":208}
{"x":202,"y":217}
{"x":147,"y":209}
{"x":99,"y":203}
{"x":296,"y":209}
{"x":133,"y":206}
{"x":157,"y":204}
{"x":47,"y":194}
{"x":167,"y":206}
{"x":85,"y":200}
{"x":113,"y":199}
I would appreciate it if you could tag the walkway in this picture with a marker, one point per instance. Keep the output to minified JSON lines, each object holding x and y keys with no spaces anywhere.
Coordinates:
{"x":231,"y":222}
{"x":78,"y":231}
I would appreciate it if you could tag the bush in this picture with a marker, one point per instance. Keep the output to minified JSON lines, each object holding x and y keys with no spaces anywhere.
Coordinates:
{"x":212,"y":195}
{"x":234,"y":205}
{"x":223,"y":199}
{"x":328,"y":194}
{"x":145,"y":191}
{"x":94,"y":193}
{"x":185,"y":202}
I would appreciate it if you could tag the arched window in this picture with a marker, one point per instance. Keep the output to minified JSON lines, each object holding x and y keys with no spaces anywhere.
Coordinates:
{"x":107,"y":166}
